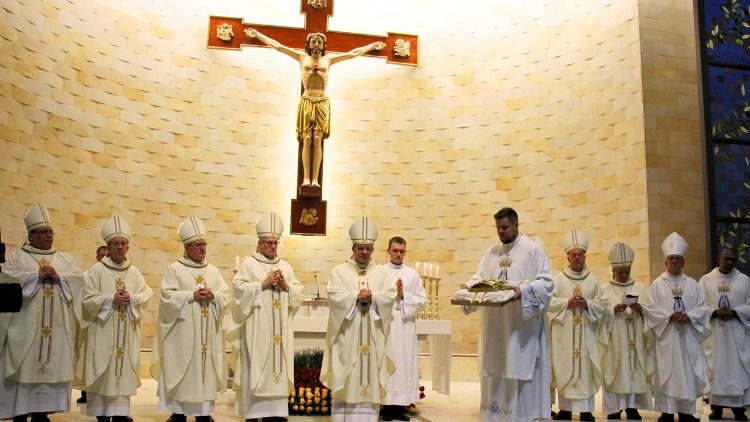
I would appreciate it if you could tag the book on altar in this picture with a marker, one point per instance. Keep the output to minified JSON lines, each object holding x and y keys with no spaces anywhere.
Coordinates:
{"x":490,"y":292}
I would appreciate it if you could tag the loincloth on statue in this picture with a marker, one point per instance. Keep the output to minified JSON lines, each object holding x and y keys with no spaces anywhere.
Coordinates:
{"x":313,"y":114}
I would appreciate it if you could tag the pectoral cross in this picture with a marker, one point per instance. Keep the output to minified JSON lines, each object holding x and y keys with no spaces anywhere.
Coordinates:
{"x":577,"y":291}
{"x":43,"y":262}
{"x":120,"y":352}
{"x":120,"y":283}
{"x":277,"y":339}
{"x":48,"y":292}
{"x":631,"y":344}
{"x":46,"y":331}
{"x":204,"y":312}
{"x":276,"y":303}
{"x":577,"y":320}
{"x":200,"y":279}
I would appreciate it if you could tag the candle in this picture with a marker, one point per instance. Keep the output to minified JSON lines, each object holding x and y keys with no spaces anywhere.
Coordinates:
{"x":236,"y":263}
{"x":429,"y":270}
{"x":437,"y":270}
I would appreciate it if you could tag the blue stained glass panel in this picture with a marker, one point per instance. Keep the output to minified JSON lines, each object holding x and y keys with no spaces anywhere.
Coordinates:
{"x":729,"y":103}
{"x":725,"y":22}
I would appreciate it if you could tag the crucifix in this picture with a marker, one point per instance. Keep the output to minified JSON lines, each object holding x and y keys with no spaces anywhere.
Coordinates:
{"x":308,"y":216}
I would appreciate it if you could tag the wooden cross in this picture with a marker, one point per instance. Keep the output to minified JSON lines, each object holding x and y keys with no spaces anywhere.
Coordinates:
{"x":308,"y":214}
{"x":316,"y":14}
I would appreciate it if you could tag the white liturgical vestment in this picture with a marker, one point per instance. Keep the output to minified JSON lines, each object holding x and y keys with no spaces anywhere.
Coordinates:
{"x":626,"y":364}
{"x":37,"y":344}
{"x":403,"y":385}
{"x":514,"y":367}
{"x":188,"y":356}
{"x":113,"y":338}
{"x":356,"y":360}
{"x":577,"y":337}
{"x":262,"y":338}
{"x":680,"y":374}
{"x":726,"y":349}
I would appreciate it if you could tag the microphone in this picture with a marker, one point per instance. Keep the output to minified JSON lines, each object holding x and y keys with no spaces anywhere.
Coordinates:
{"x":2,"y":248}
{"x":317,"y":289}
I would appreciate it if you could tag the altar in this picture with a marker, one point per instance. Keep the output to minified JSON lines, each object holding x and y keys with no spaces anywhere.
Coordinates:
{"x":311,"y":332}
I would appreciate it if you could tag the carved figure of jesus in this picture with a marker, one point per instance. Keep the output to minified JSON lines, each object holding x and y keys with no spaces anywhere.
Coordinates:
{"x":314,"y":108}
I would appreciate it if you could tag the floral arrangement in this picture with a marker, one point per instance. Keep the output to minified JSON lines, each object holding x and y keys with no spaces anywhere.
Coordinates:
{"x":415,"y":409}
{"x":310,"y":396}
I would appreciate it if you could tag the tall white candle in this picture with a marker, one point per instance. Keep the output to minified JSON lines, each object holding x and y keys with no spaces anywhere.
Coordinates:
{"x":236,"y":263}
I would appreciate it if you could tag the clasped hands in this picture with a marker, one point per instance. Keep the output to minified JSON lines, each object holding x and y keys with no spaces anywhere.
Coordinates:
{"x":577,"y":302}
{"x":47,"y":272}
{"x":679,"y":317}
{"x":621,"y":307}
{"x":203,"y":294}
{"x":121,"y":297}
{"x":273,"y":279}
{"x":364,"y":296}
{"x":724,"y":314}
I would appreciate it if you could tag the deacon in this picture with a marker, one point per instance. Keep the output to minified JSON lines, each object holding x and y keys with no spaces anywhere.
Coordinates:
{"x":114,"y":300}
{"x":728,"y":294}
{"x":403,"y":385}
{"x":188,"y":355}
{"x":626,"y":365}
{"x":266,"y":298}
{"x":515,"y":371}
{"x":576,"y":311}
{"x":37,"y":344}
{"x":677,"y":317}
{"x":356,"y":360}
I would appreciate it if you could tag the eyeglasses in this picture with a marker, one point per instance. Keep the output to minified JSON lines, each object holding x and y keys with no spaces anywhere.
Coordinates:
{"x":269,"y":242}
{"x":44,"y":232}
{"x":198,"y":245}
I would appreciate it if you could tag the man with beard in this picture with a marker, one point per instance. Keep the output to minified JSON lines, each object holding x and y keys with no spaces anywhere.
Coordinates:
{"x":37,"y":344}
{"x":626,"y":365}
{"x":728,"y":294}
{"x":313,"y":111}
{"x":188,"y":355}
{"x":677,"y":317}
{"x":515,"y":371}
{"x":266,"y":298}
{"x":356,"y":361}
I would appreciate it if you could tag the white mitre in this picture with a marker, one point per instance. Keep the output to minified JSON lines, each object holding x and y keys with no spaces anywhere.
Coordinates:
{"x":621,"y":255}
{"x":363,"y":232}
{"x":116,"y":227}
{"x":37,"y":217}
{"x":674,"y":244}
{"x":575,"y":239}
{"x":191,"y":230}
{"x":270,"y":225}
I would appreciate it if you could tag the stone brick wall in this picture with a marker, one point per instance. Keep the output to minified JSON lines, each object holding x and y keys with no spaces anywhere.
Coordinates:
{"x":558,"y":109}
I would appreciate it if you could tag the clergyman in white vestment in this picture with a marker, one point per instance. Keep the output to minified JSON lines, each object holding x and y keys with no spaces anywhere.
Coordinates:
{"x":356,"y":360}
{"x":403,"y":385}
{"x":514,"y":363}
{"x":114,"y":299}
{"x":728,"y":294}
{"x":188,"y":355}
{"x":37,"y":344}
{"x":626,"y":364}
{"x":677,"y":318}
{"x":266,"y":298}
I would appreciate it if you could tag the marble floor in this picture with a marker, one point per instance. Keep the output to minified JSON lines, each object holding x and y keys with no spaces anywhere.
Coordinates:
{"x":462,"y":405}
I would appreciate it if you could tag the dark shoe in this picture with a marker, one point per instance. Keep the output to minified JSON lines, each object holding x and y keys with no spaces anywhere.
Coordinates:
{"x":102,"y":419}
{"x":739,"y":413}
{"x":552,"y":413}
{"x":82,"y":399}
{"x":208,"y":418}
{"x":666,"y":417}
{"x":20,"y":418}
{"x":715,"y":414}
{"x":586,"y":416}
{"x":122,"y":419}
{"x":39,"y":417}
{"x":401,"y":417}
{"x":386,"y":418}
{"x":614,"y":415}
{"x":178,"y":417}
{"x":632,"y":414}
{"x":563,"y":415}
{"x":687,"y":417}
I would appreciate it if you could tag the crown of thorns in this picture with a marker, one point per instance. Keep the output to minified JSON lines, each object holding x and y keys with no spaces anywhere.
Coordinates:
{"x":316,"y":35}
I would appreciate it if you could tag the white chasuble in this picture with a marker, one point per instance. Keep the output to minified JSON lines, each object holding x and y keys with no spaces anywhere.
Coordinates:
{"x":577,"y":337}
{"x":403,"y":385}
{"x":113,"y":338}
{"x":356,"y":361}
{"x":262,"y":338}
{"x":188,"y":355}
{"x":726,"y":348}
{"x":626,"y":363}
{"x":37,"y":344}
{"x":680,"y":374}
